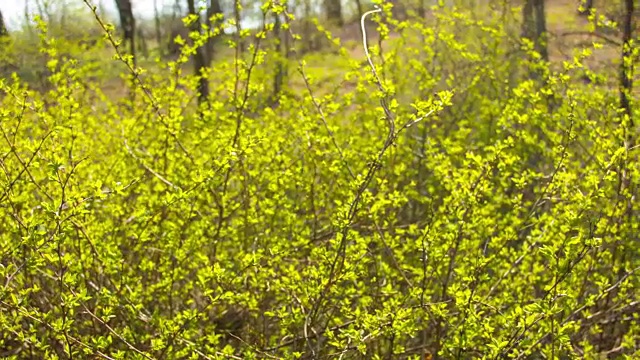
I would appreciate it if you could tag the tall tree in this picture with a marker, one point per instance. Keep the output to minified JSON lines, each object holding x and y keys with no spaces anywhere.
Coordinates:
{"x":278,"y":78}
{"x":27,"y":18}
{"x":142,"y":42}
{"x":199,"y":59}
{"x":158,"y":30}
{"x":626,"y":118}
{"x":213,"y":9}
{"x":174,"y":30}
{"x":44,"y":10}
{"x":534,"y":26}
{"x":359,"y":8}
{"x":399,"y":9}
{"x":128,"y":24}
{"x":306,"y":27}
{"x":541,"y":29}
{"x":585,"y":7}
{"x":527,"y":19}
{"x":333,"y":9}
{"x":626,"y":65}
{"x":3,"y":26}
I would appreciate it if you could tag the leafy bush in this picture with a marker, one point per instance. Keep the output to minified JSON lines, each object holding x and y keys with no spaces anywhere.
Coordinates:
{"x":465,"y":201}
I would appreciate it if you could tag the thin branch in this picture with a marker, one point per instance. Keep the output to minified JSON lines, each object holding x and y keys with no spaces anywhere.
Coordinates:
{"x":136,"y":75}
{"x":579,"y":310}
{"x":590,"y":33}
{"x":149,"y":169}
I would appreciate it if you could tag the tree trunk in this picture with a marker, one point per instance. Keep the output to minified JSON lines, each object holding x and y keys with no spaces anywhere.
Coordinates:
{"x":156,"y":18}
{"x":399,"y":9}
{"x":3,"y":27}
{"x":199,"y":60}
{"x":586,"y":7}
{"x":128,"y":24}
{"x":527,"y":20}
{"x":142,"y":43}
{"x":43,"y":11}
{"x":422,"y":9}
{"x":27,"y":18}
{"x":213,"y":9}
{"x":626,"y":66}
{"x":626,"y":188}
{"x":172,"y":47}
{"x":306,"y":28}
{"x":360,"y":9}
{"x":279,"y":75}
{"x":541,"y":29}
{"x":334,"y":11}
{"x":534,"y":26}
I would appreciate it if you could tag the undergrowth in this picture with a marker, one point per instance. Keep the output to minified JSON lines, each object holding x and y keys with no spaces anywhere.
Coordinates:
{"x":459,"y":199}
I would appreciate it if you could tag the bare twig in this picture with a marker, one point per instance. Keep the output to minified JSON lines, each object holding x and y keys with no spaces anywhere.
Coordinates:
{"x":50,"y":327}
{"x":149,"y":169}
{"x":579,"y":310}
{"x":590,"y":33}
{"x":136,"y":74}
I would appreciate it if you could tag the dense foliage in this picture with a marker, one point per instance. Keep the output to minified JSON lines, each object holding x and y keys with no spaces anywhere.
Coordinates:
{"x":464,"y":200}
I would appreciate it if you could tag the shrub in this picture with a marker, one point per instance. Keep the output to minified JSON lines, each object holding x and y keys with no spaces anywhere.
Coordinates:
{"x":466,"y":201}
